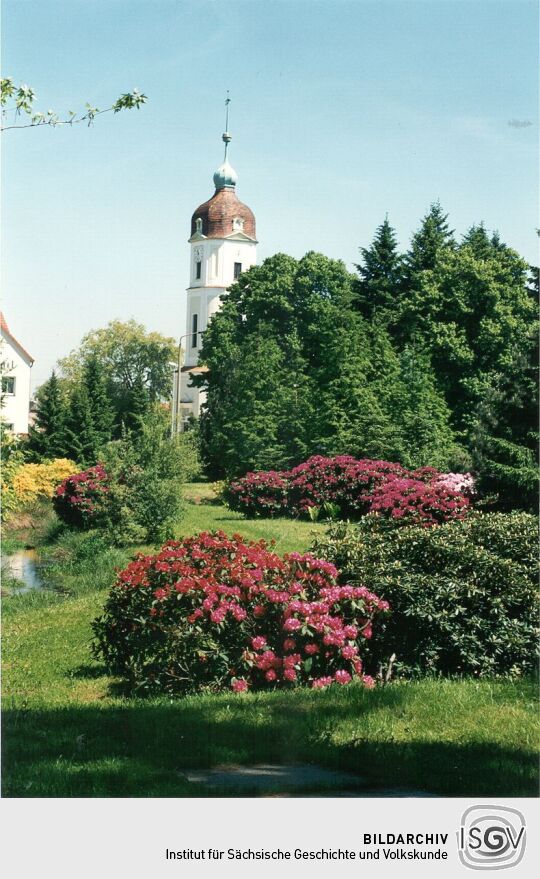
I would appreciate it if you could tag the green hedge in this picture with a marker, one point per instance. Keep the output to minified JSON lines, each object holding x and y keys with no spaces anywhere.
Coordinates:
{"x":463,"y":595}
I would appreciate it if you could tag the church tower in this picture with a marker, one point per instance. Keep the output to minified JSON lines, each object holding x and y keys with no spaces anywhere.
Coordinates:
{"x":223,"y":245}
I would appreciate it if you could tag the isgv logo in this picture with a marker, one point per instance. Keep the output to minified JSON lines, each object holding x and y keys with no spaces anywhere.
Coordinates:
{"x":491,"y":837}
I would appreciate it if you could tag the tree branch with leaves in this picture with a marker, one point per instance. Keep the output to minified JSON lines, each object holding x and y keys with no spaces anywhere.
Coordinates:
{"x":19,"y":101}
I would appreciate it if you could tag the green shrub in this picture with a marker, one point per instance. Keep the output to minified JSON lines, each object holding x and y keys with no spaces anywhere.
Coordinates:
{"x":509,"y":474}
{"x":463,"y":596}
{"x":144,"y":500}
{"x":157,"y":506}
{"x":188,"y":445}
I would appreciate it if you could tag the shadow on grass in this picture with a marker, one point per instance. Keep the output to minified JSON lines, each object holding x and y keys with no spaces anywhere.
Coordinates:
{"x":141,"y":748}
{"x":89,"y":672}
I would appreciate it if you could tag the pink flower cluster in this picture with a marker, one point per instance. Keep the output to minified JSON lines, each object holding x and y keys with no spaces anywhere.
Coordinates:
{"x":77,"y":498}
{"x":464,"y":483}
{"x":424,"y":503}
{"x":357,"y":487}
{"x":262,"y":493}
{"x":214,"y":611}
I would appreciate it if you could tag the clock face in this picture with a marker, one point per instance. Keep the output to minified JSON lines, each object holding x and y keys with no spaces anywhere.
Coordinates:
{"x":198,"y":254}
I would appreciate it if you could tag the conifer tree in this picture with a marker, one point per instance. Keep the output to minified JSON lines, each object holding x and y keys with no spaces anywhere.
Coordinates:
{"x":245,"y":423}
{"x":479,"y":242}
{"x":294,"y":404}
{"x":433,"y":237}
{"x":422,"y":414}
{"x":351,"y":416}
{"x":82,"y":441}
{"x":135,"y":407}
{"x":420,"y":298}
{"x":100,"y":404}
{"x":496,"y":242}
{"x":377,"y":290}
{"x":47,"y":436}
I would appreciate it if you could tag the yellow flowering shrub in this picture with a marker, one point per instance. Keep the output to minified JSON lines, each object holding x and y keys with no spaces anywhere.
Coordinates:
{"x":31,"y":481}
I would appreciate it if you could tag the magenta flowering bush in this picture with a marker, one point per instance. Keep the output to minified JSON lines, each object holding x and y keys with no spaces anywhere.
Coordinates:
{"x":215,"y":612}
{"x":343,"y":480}
{"x":263,"y":493}
{"x":355,"y":488}
{"x":78,"y":500}
{"x":415,"y":501}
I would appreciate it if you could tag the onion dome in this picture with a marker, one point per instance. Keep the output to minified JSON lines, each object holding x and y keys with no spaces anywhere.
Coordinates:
{"x":225,"y":176}
{"x":224,"y":214}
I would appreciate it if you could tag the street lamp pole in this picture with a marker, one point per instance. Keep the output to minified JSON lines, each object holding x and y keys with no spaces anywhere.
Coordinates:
{"x":176,"y":421}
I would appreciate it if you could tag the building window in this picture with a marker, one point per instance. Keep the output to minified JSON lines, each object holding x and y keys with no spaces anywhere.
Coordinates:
{"x":237,"y":269}
{"x":198,"y":270}
{"x":198,"y":224}
{"x":8,"y":384}
{"x":194,"y":321}
{"x":238,"y":223}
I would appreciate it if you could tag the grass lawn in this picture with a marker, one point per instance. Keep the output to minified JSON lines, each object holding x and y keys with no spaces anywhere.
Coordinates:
{"x":69,"y":731}
{"x":204,"y":514}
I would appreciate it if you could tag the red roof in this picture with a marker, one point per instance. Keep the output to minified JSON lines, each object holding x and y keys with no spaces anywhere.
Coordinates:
{"x":219,"y":212}
{"x":7,"y":332}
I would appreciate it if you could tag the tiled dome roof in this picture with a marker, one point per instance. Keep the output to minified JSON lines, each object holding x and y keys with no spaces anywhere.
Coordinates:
{"x":219,"y":213}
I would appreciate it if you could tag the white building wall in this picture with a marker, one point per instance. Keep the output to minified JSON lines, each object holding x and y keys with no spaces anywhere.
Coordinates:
{"x":16,"y":406}
{"x":217,"y":258}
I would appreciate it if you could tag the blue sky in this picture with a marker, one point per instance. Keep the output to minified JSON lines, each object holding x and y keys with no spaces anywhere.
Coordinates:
{"x":341,"y":112}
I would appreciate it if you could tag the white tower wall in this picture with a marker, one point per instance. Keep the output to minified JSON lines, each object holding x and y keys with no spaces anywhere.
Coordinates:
{"x":215,"y":264}
{"x":223,"y":246}
{"x":217,"y":259}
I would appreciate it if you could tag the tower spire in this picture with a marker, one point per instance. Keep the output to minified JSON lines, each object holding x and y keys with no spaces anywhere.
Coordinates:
{"x":226,"y":137}
{"x":225,"y":176}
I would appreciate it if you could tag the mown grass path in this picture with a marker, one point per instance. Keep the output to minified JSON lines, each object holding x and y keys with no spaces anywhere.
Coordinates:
{"x":69,"y":731}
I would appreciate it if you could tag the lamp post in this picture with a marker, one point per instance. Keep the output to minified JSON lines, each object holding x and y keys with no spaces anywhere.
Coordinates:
{"x":176,"y":421}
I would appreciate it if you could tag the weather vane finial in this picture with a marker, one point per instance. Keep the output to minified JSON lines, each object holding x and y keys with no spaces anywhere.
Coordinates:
{"x":226,"y":136}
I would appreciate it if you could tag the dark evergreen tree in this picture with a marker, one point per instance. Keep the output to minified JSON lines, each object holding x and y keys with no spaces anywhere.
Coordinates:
{"x":101,"y":407}
{"x":533,"y":284}
{"x":508,"y":472}
{"x":433,"y":237}
{"x":257,"y":419}
{"x":496,"y":242}
{"x":423,"y":415}
{"x":82,"y":441}
{"x":47,"y":436}
{"x":502,"y":431}
{"x":135,"y":407}
{"x":377,"y":289}
{"x":352,"y":416}
{"x":419,"y":300}
{"x":480,"y":243}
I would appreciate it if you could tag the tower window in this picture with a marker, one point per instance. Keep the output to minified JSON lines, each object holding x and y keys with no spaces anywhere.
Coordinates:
{"x":198,"y":270}
{"x":198,"y":224}
{"x":194,"y":322}
{"x":238,"y":223}
{"x":237,"y":269}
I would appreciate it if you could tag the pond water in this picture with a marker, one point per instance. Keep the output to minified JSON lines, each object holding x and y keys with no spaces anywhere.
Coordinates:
{"x":24,"y":566}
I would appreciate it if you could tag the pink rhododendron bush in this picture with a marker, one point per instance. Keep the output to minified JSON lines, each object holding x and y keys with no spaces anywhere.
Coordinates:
{"x":355,"y":488}
{"x":213,"y":612}
{"x":78,"y":499}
